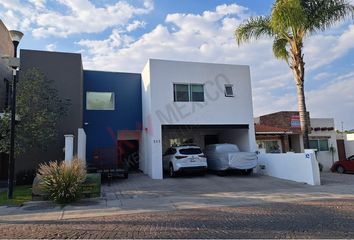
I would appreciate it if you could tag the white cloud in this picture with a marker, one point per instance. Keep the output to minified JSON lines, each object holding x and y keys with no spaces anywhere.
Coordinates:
{"x":38,"y":3}
{"x":206,"y":37}
{"x":209,"y":37}
{"x":80,"y":16}
{"x":51,"y":47}
{"x":135,"y":25}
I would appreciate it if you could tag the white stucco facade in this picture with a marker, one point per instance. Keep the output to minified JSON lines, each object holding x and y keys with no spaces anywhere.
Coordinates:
{"x":349,"y":144}
{"x":217,"y":114}
{"x":323,"y":128}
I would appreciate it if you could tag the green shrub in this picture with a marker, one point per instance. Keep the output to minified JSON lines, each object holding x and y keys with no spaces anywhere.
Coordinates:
{"x":63,"y":182}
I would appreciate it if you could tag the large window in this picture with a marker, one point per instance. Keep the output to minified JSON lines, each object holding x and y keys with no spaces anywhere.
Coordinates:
{"x":100,"y":101}
{"x":319,"y":144}
{"x":188,"y":92}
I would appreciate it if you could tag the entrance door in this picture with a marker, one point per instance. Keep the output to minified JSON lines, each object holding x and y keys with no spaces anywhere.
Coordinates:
{"x":341,"y":149}
{"x":128,"y":152}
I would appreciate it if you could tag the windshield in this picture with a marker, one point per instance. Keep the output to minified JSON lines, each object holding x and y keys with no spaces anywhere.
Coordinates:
{"x":190,"y":151}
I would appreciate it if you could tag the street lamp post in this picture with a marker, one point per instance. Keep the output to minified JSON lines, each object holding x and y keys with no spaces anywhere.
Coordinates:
{"x":16,"y":37}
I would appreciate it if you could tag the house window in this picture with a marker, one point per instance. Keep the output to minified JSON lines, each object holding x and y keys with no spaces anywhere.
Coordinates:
{"x":320,"y":144}
{"x":100,"y":101}
{"x":271,"y":146}
{"x":229,"y":90}
{"x":181,"y":92}
{"x":197,"y":93}
{"x":188,"y":92}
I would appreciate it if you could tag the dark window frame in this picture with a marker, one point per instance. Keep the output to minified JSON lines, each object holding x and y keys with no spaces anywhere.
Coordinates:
{"x":232,"y":90}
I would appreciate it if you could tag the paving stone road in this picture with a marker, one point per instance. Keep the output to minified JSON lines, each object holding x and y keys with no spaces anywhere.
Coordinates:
{"x":307,"y":219}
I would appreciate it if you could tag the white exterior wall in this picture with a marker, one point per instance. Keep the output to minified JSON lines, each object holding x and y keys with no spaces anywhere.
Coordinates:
{"x":298,"y":167}
{"x":145,"y":149}
{"x":325,"y":157}
{"x":81,"y":144}
{"x":349,"y":144}
{"x":160,"y":109}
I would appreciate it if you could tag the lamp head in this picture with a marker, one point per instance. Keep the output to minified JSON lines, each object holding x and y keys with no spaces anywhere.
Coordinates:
{"x":16,"y":36}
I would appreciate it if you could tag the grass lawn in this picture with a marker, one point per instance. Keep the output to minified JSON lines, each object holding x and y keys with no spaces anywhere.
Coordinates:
{"x":21,"y":194}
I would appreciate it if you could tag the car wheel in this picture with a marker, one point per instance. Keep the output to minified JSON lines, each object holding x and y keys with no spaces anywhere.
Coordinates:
{"x":171,"y":171}
{"x":340,"y":169}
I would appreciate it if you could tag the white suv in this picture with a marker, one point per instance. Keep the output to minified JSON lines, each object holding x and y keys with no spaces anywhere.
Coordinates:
{"x":184,"y":158}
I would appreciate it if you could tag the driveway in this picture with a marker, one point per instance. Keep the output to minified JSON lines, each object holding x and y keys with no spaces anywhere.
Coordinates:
{"x":198,"y":207}
{"x":141,"y":192}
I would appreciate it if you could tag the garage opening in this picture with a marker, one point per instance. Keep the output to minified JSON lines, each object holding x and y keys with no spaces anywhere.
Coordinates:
{"x":203,"y":135}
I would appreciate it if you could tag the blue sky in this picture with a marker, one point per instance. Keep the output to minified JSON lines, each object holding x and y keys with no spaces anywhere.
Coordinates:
{"x":119,"y":35}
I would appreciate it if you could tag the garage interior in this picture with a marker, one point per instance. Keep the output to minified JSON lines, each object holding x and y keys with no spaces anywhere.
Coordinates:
{"x":203,"y":135}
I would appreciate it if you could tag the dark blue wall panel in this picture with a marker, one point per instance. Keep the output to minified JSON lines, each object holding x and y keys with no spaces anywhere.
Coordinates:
{"x":101,"y":127}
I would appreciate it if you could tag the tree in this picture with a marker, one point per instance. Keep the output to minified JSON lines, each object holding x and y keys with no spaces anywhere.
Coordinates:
{"x":39,"y":111}
{"x":289,"y":23}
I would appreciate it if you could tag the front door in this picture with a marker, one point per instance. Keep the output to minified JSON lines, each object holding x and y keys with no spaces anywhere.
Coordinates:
{"x":341,"y":149}
{"x":128,"y":152}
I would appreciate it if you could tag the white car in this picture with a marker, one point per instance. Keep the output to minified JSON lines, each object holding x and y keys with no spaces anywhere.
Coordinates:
{"x":184,"y":158}
{"x":222,"y":157}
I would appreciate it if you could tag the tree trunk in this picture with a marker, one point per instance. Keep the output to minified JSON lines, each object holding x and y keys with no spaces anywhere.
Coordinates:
{"x":298,"y":68}
{"x":303,"y":115}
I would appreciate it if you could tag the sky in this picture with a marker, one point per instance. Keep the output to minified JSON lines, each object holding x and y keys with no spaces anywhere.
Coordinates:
{"x":116,"y":35}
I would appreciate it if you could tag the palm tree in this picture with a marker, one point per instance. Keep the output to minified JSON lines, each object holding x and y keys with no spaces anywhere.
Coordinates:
{"x":289,"y":23}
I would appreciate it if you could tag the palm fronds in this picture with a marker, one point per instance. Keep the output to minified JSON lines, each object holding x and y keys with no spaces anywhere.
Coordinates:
{"x":280,"y":49}
{"x":323,"y":14}
{"x":253,"y":28}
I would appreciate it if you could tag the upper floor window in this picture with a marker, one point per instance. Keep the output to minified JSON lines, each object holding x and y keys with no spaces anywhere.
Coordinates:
{"x":181,"y":92}
{"x":188,"y":92}
{"x":229,"y":90}
{"x":100,"y":100}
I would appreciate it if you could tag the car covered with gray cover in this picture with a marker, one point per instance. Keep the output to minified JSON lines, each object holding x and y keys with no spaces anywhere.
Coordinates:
{"x":222,"y":157}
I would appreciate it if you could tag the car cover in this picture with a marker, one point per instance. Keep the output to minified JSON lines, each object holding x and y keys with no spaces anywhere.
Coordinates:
{"x":228,"y":156}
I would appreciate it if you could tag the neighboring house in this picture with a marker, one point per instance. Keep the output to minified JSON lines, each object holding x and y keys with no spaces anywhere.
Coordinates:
{"x":112,"y":116}
{"x":323,"y":138}
{"x":201,"y":103}
{"x":345,"y":143}
{"x":280,"y":132}
{"x":349,"y":144}
{"x":65,"y":72}
{"x":289,"y":123}
{"x":6,"y":49}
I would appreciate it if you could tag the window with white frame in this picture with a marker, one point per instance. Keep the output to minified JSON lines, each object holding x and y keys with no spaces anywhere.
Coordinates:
{"x":188,"y":92}
{"x":229,"y":90}
{"x":100,"y":101}
{"x":320,"y":144}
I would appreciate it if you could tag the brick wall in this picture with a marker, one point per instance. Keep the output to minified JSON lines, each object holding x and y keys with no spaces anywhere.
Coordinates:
{"x":6,"y":47}
{"x":281,"y":120}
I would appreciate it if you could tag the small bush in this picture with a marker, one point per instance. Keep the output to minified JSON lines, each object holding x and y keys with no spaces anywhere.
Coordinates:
{"x":63,"y":182}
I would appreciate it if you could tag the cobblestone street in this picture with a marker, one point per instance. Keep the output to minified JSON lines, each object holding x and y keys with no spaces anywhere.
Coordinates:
{"x":312,"y":219}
